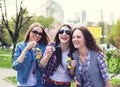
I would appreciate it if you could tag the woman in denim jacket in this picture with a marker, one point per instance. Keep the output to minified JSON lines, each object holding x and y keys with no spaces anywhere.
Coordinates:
{"x":91,"y":67}
{"x":27,"y":58}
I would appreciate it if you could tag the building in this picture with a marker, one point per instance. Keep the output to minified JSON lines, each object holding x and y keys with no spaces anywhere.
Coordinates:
{"x":53,"y":9}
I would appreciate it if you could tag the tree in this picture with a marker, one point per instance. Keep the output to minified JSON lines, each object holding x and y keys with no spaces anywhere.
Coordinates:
{"x":47,"y":22}
{"x":18,"y":21}
{"x":114,"y":36}
{"x":3,"y":40}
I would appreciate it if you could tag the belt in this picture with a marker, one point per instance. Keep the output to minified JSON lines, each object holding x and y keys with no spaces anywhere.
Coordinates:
{"x":59,"y":83}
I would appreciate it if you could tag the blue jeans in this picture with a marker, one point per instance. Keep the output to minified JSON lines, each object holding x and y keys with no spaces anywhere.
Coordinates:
{"x":33,"y":86}
{"x":54,"y":85}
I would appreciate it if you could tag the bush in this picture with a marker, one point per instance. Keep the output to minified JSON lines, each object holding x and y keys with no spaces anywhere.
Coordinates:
{"x":113,"y":61}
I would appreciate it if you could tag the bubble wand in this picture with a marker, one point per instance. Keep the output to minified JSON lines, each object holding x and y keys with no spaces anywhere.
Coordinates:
{"x":68,"y":61}
{"x":38,"y":53}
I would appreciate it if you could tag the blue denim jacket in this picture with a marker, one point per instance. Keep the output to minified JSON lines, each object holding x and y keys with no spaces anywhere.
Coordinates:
{"x":23,"y":69}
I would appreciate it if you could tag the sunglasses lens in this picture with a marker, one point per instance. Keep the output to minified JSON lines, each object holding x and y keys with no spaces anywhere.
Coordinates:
{"x":61,"y":31}
{"x":36,"y":32}
{"x":67,"y":32}
{"x":40,"y":34}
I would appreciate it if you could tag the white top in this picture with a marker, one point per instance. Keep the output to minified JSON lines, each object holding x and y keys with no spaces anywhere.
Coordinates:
{"x":32,"y":78}
{"x":62,"y":74}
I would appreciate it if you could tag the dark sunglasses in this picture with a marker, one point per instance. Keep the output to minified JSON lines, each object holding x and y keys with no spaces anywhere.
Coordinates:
{"x":36,"y":32}
{"x":68,"y":32}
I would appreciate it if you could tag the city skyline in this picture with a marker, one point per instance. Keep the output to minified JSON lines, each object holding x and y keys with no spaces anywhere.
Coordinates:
{"x":71,"y":7}
{"x":93,"y":8}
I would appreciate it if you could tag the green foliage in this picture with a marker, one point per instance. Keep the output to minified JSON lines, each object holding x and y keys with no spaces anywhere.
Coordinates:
{"x":46,"y":22}
{"x":23,"y":31}
{"x":7,"y":37}
{"x":114,"y":36}
{"x":115,"y":82}
{"x":113,"y":60}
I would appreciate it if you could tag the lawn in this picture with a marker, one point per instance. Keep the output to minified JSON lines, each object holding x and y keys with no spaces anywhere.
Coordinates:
{"x":5,"y":59}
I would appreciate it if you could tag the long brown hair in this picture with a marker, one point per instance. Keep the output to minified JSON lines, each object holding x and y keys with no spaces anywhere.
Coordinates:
{"x":44,"y":39}
{"x":90,"y":40}
{"x":58,"y":47}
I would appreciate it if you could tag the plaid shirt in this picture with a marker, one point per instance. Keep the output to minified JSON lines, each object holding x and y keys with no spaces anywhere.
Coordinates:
{"x":103,"y":67}
{"x":50,"y":68}
{"x":84,"y":67}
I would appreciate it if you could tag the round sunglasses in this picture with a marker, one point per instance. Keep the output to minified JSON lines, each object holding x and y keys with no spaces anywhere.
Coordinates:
{"x":68,"y":32}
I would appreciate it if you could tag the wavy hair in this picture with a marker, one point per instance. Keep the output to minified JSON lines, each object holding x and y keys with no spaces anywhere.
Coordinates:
{"x":89,"y":39}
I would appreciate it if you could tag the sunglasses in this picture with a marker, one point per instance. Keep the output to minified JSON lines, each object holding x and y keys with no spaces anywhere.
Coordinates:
{"x":68,"y":32}
{"x":36,"y":32}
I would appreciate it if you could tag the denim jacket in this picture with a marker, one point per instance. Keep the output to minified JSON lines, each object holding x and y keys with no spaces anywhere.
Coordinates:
{"x":23,"y":69}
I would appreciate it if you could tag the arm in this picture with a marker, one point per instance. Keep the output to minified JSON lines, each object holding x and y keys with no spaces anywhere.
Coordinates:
{"x":72,"y":70}
{"x":76,"y":83}
{"x":47,"y":55}
{"x":103,"y":69}
{"x":20,"y":54}
{"x":28,"y":47}
{"x":108,"y":84}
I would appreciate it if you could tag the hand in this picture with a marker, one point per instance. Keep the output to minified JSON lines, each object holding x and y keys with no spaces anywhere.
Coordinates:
{"x":52,"y":44}
{"x":49,"y":51}
{"x":73,"y":63}
{"x":76,"y":84}
{"x":30,"y":45}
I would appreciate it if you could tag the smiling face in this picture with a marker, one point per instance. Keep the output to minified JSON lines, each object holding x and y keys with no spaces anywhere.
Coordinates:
{"x":64,"y":35}
{"x":78,"y":39}
{"x":35,"y":34}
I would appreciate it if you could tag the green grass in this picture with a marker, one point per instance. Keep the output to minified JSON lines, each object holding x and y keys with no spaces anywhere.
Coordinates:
{"x":5,"y":59}
{"x":12,"y":79}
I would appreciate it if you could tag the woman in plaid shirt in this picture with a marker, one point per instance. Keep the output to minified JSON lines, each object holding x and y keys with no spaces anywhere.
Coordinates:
{"x":57,"y":72}
{"x":90,"y":66}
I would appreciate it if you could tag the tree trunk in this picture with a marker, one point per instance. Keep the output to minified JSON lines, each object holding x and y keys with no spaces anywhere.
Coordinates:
{"x":14,"y":45}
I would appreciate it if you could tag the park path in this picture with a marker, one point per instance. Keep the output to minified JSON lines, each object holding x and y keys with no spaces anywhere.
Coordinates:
{"x":5,"y":72}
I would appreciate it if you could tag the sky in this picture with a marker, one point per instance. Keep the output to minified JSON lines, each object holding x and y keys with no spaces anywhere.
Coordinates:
{"x":71,"y":7}
{"x":92,"y":8}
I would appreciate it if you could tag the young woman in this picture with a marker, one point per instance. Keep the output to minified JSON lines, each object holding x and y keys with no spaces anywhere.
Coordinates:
{"x":57,"y":73}
{"x":91,"y":68}
{"x":27,"y":57}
